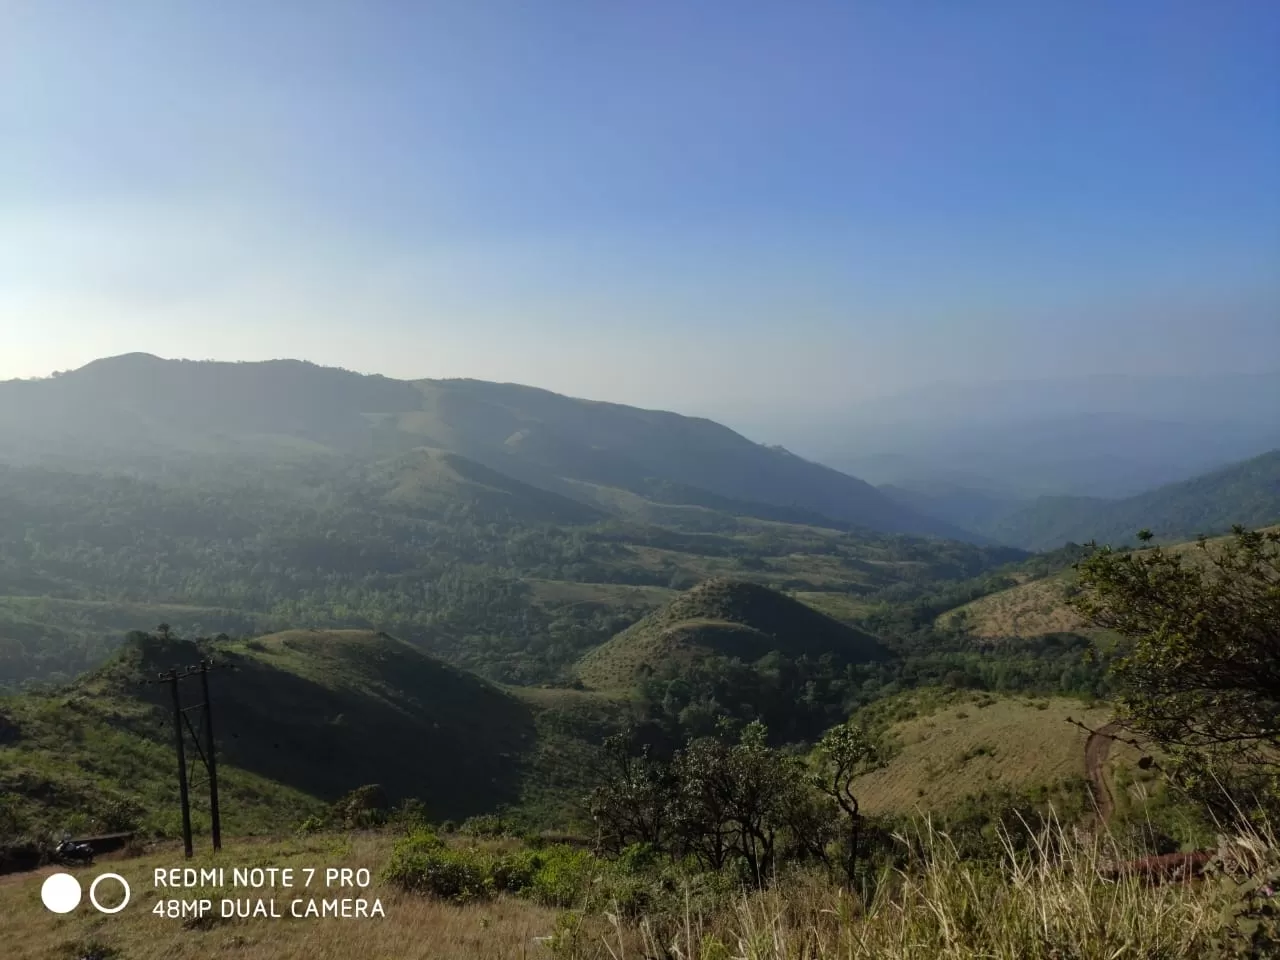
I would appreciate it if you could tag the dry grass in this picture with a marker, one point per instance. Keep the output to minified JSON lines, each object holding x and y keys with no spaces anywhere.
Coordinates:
{"x":964,"y":749}
{"x":1032,"y":609}
{"x":1050,"y":904}
{"x":1037,"y":608}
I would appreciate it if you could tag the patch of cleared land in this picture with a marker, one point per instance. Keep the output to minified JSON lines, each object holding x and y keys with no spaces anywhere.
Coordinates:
{"x":965,"y":748}
{"x":1031,"y":609}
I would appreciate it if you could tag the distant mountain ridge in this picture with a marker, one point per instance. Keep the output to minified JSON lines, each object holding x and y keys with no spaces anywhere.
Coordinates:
{"x":1098,"y":436}
{"x":137,"y":407}
{"x":1245,"y":493}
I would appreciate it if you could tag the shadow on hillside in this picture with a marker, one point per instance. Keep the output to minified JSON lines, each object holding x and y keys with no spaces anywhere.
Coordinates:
{"x":420,"y":729}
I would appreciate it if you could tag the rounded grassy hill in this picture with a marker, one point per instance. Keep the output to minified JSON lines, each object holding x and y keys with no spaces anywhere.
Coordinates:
{"x":726,"y":618}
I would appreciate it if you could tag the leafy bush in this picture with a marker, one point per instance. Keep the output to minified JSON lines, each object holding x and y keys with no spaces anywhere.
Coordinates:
{"x":363,"y":807}
{"x":486,"y":825}
{"x":564,"y":876}
{"x":311,"y":824}
{"x":459,"y":876}
{"x":555,"y":876}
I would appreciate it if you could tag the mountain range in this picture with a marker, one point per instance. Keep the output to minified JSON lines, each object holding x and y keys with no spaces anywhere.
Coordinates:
{"x":138,"y":411}
{"x":502,"y":450}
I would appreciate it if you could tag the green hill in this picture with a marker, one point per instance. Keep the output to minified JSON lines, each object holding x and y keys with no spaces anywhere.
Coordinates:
{"x":301,"y":717}
{"x":437,"y":482}
{"x":141,"y":411}
{"x":728,"y":618}
{"x":1245,"y":493}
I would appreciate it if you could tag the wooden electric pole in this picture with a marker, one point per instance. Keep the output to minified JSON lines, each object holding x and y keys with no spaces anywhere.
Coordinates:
{"x":182,"y":762}
{"x":210,"y":758}
{"x":205,"y":747}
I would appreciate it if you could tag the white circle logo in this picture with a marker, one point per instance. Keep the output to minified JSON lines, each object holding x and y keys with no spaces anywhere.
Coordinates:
{"x":60,"y":892}
{"x":93,"y":890}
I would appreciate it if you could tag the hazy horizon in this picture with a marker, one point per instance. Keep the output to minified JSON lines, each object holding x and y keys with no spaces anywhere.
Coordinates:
{"x":727,"y":211}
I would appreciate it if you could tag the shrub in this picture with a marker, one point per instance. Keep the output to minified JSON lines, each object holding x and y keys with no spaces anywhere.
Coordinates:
{"x":312,"y":824}
{"x":363,"y":807}
{"x":486,"y":825}
{"x":411,"y":814}
{"x":456,"y":875}
{"x":564,"y":876}
{"x":422,"y":863}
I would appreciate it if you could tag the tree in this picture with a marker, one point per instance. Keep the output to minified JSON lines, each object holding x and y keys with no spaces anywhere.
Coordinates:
{"x":632,"y":805}
{"x":843,"y":755}
{"x":1200,"y":671}
{"x":724,"y":800}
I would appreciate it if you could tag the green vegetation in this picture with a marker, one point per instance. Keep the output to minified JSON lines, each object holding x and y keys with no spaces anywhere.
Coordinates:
{"x":1198,"y":676}
{"x":303,"y":718}
{"x":467,"y":572}
{"x":950,"y":745}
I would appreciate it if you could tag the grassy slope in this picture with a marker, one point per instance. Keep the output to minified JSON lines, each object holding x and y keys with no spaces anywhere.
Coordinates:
{"x":1031,"y":609}
{"x":726,"y":618}
{"x":1038,"y":607}
{"x":436,"y":480}
{"x":972,"y":743}
{"x":72,"y":759}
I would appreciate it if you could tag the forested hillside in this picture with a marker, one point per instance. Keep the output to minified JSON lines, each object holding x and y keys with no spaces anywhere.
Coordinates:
{"x":492,"y":574}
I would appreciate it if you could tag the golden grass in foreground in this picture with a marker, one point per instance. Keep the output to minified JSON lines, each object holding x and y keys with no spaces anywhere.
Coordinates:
{"x":1050,"y":904}
{"x":1040,"y":906}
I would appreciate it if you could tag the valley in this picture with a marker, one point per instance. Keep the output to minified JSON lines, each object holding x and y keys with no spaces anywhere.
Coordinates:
{"x":446,"y":603}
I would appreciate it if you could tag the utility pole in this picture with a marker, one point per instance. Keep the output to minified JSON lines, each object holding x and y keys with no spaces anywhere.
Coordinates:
{"x":203,"y":742}
{"x":210,"y":758}
{"x":182,"y":762}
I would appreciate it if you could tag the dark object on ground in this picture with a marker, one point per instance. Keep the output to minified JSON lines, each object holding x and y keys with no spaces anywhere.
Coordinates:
{"x":71,"y":852}
{"x":105,"y":842}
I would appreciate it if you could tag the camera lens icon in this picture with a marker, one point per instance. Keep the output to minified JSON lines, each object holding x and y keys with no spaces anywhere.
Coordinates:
{"x":93,"y":893}
{"x":61,"y":893}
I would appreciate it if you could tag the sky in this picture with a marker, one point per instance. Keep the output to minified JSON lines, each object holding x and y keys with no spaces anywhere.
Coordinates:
{"x":720,"y":208}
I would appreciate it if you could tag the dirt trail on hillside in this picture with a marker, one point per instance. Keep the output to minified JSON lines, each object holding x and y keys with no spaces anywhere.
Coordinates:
{"x":1096,"y":750}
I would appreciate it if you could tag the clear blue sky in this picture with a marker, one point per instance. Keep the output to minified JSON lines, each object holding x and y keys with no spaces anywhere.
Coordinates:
{"x":711,"y":207}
